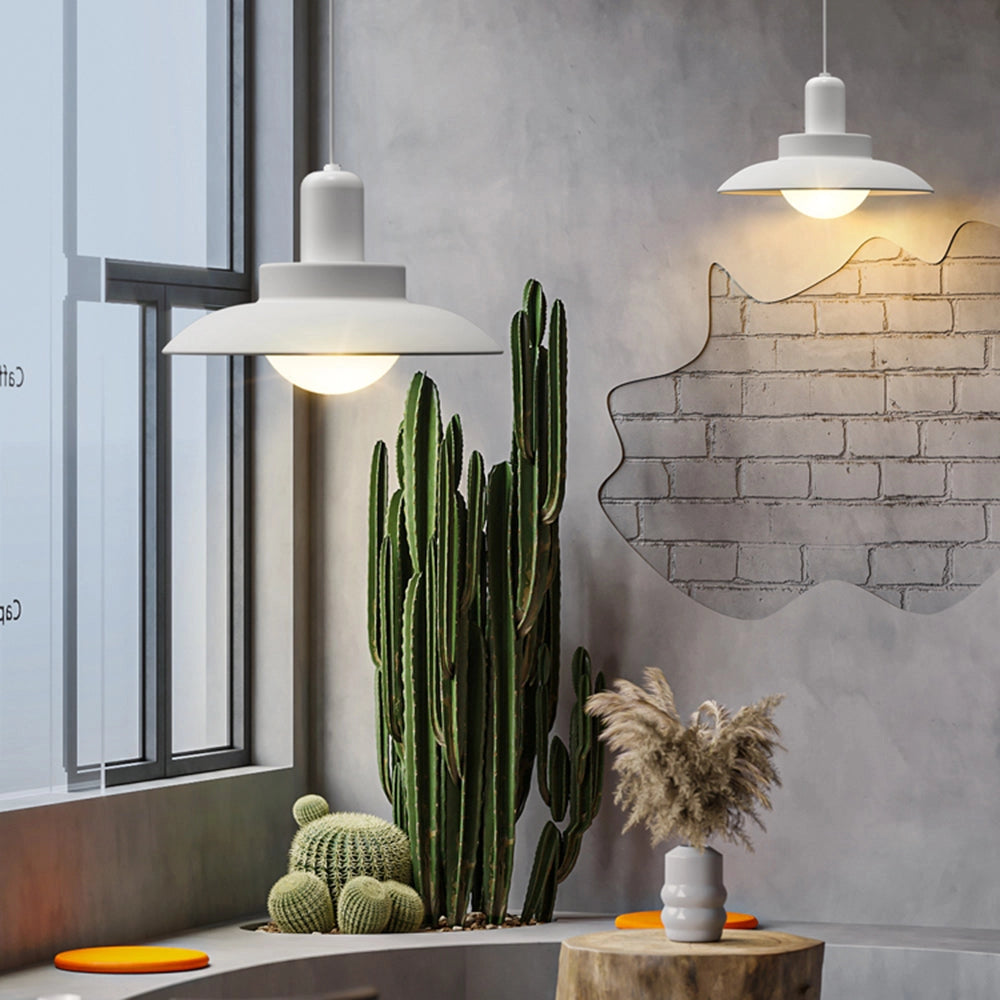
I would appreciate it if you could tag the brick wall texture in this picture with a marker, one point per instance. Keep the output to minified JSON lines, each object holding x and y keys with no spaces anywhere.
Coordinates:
{"x":849,"y":433}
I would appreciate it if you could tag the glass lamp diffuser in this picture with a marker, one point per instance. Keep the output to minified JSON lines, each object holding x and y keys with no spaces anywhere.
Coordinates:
{"x":332,"y":322}
{"x":825,"y":171}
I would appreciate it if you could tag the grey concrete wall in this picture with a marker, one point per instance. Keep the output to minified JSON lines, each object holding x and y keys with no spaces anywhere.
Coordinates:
{"x":581,"y":142}
{"x":846,"y":433}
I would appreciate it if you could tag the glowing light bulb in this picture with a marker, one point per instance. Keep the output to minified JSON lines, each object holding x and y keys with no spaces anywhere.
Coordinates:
{"x":825,"y":204}
{"x":332,"y":374}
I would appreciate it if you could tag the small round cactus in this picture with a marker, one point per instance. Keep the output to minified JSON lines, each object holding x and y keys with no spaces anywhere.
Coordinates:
{"x":339,"y":846}
{"x":363,"y":906}
{"x":299,"y":903}
{"x":310,"y":807}
{"x":406,"y":908}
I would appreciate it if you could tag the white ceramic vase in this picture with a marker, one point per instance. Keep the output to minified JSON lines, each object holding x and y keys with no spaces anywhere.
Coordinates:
{"x":693,"y":894}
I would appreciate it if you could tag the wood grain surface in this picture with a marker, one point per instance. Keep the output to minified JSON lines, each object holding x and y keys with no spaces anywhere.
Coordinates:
{"x":749,"y":965}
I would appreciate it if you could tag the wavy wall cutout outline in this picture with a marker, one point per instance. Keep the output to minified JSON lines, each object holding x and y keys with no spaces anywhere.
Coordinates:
{"x":850,"y":432}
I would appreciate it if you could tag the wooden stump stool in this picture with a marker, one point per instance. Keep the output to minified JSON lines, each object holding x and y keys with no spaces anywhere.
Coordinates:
{"x":744,"y":965}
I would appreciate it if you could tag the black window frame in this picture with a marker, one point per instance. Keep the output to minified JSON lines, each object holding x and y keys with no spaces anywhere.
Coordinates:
{"x":157,"y":289}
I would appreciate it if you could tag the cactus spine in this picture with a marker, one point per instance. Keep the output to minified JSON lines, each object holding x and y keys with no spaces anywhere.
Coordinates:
{"x":363,"y":906}
{"x":464,"y":634}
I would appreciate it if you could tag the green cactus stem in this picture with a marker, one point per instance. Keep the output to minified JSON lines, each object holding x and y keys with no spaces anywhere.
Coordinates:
{"x":406,"y":908}
{"x":299,"y":903}
{"x":363,"y":907}
{"x":464,"y":595}
{"x":308,"y":808}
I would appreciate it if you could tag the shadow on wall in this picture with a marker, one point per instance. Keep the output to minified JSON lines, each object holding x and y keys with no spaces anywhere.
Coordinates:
{"x":851,"y":432}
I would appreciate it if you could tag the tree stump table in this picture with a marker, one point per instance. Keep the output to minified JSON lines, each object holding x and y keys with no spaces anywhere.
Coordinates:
{"x":744,"y":965}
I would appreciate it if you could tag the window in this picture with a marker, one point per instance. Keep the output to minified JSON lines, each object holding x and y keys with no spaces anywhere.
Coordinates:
{"x":123,"y":495}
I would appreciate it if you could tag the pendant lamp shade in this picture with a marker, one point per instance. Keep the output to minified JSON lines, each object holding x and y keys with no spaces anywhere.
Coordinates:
{"x":332,"y":304}
{"x":825,"y":167}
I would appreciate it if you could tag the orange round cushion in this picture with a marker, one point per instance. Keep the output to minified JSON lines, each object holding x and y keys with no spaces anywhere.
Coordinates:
{"x":644,"y":920}
{"x":131,"y":958}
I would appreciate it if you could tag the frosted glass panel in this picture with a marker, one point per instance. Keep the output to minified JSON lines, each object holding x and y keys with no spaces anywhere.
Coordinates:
{"x":153,"y":130}
{"x":200,"y":498}
{"x":109,"y":533}
{"x":32,"y":272}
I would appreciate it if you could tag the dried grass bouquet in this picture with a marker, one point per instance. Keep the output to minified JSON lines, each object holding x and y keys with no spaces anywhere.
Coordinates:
{"x":688,"y":781}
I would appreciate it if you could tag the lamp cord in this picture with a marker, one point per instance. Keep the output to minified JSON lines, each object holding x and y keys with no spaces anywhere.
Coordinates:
{"x":329,"y":82}
{"x":824,"y":35}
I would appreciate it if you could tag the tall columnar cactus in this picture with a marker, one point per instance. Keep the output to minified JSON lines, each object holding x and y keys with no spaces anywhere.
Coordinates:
{"x":464,"y":632}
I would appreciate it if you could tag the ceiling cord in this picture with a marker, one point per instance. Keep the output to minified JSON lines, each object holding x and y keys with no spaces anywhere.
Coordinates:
{"x":329,"y":82}
{"x":824,"y":34}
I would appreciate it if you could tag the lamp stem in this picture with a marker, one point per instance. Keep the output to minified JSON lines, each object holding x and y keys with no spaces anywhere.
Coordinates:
{"x":329,"y":81}
{"x":824,"y":34}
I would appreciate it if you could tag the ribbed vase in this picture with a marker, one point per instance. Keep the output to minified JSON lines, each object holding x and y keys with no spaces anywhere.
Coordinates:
{"x":693,"y":894}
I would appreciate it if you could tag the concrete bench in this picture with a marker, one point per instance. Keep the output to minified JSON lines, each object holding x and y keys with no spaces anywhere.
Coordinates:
{"x":861,"y":962}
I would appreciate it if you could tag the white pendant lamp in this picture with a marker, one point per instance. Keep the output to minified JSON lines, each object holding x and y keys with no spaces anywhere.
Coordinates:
{"x":825,"y":171}
{"x":331,"y":322}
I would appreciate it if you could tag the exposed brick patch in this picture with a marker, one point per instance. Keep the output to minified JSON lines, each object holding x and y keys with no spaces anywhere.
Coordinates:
{"x":711,"y":394}
{"x":793,"y":316}
{"x":851,"y":432}
{"x":920,"y":393}
{"x":761,"y":478}
{"x":901,"y":279}
{"x":727,"y":317}
{"x":913,"y":479}
{"x":704,"y":562}
{"x":919,"y":315}
{"x":735,"y":437}
{"x":699,"y":478}
{"x":650,"y":397}
{"x":770,"y":563}
{"x":849,"y":563}
{"x":663,"y":438}
{"x":890,"y":436}
{"x":624,"y":516}
{"x":972,"y":277}
{"x":909,"y":564}
{"x":637,"y":479}
{"x":736,"y":354}
{"x":973,"y":564}
{"x":978,"y":393}
{"x":972,"y":315}
{"x":851,"y":316}
{"x":845,"y":480}
{"x":830,"y":354}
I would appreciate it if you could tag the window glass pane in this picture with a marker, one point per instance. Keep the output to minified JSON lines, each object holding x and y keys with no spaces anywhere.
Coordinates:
{"x":32,"y":270}
{"x":200,"y":547}
{"x":153,"y":130}
{"x":109,"y":532}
